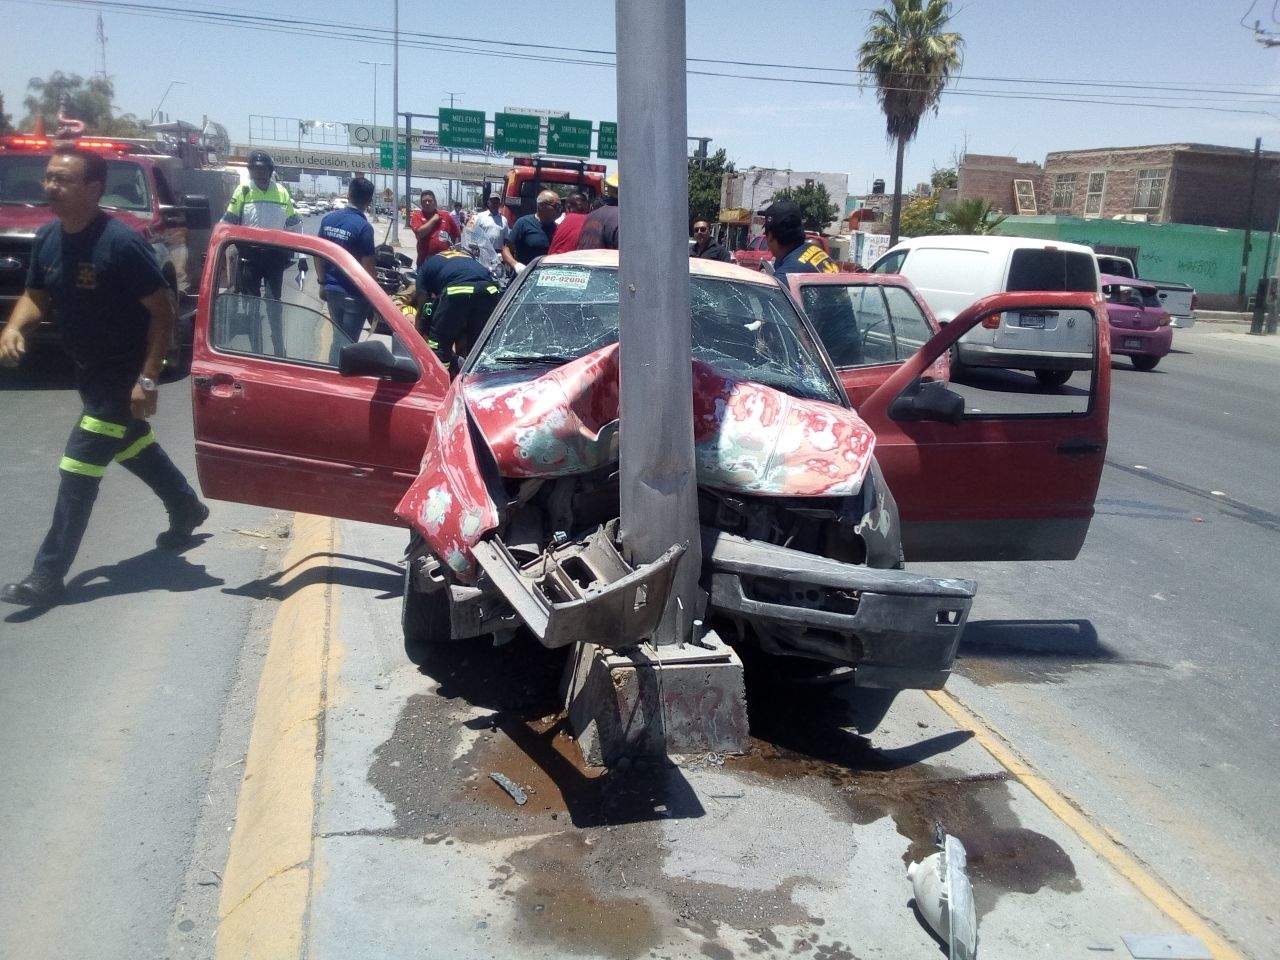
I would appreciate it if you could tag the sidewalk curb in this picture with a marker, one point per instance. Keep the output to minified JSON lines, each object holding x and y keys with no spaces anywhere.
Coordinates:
{"x":267,"y":881}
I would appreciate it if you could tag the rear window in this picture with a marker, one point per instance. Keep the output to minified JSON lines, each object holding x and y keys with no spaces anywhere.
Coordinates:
{"x":1057,"y":270}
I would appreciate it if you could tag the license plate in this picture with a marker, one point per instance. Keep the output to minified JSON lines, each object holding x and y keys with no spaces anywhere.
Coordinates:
{"x":1033,"y":320}
{"x":1132,"y":343}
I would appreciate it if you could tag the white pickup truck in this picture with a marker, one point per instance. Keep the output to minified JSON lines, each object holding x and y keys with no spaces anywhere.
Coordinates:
{"x":1178,"y":299}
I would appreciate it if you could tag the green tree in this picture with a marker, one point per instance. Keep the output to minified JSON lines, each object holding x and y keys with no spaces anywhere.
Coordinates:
{"x":816,"y":208}
{"x":87,"y":100}
{"x":6,"y":125}
{"x":971,"y":217}
{"x":944,"y":178}
{"x":706,"y":175}
{"x":910,"y":55}
{"x":918,"y":218}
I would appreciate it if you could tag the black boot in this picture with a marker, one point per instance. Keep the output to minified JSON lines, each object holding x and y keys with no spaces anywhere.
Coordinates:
{"x":35,"y":591}
{"x":183,"y":520}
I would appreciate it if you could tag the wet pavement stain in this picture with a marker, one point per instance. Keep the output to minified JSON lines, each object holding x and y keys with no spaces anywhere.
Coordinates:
{"x":1035,"y":651}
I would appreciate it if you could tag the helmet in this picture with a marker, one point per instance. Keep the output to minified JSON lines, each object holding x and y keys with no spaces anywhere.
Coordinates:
{"x":260,"y":158}
{"x":609,"y":188}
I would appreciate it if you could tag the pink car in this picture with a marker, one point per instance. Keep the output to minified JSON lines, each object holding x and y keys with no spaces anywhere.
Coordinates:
{"x":1139,"y":324}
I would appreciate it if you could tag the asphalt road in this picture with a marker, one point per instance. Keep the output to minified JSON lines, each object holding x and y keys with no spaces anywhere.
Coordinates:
{"x":1141,"y":678}
{"x":112,"y":705}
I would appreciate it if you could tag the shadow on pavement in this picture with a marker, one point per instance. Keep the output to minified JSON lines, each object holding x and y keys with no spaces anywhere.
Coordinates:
{"x":156,"y":569}
{"x":279,"y":585}
{"x":1034,"y":651}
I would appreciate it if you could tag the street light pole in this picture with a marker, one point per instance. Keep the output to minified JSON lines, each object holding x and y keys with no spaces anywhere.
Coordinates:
{"x":395,"y":126}
{"x":172,"y":84}
{"x":657,"y":478}
{"x":373,"y":154}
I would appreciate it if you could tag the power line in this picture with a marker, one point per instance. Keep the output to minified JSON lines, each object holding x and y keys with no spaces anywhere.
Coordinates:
{"x":344,"y":31}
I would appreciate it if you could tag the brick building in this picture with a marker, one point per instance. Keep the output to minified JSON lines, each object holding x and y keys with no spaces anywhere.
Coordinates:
{"x":1189,"y":183}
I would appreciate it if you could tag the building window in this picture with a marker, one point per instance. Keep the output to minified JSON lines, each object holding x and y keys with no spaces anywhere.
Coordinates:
{"x":1093,"y":194}
{"x":1064,"y":191}
{"x":1149,"y":194}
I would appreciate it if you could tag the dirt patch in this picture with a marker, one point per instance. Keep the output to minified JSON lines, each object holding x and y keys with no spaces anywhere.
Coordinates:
{"x":1035,"y":651}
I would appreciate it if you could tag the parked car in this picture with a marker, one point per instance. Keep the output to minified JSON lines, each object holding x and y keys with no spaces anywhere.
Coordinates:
{"x":756,"y":253}
{"x":870,"y":323}
{"x":951,"y":272}
{"x":1178,"y":299}
{"x":507,"y":476}
{"x":1139,"y":323}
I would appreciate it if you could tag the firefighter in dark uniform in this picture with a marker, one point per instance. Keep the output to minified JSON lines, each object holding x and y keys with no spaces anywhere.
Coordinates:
{"x":116,"y":315}
{"x":792,"y":251}
{"x":465,"y":295}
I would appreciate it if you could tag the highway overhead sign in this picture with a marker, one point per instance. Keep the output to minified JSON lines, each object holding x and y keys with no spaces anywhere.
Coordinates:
{"x":515,"y":133}
{"x":607,"y":141}
{"x":569,"y":138}
{"x":463,"y":129}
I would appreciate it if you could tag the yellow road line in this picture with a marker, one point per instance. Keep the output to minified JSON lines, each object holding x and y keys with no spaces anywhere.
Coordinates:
{"x":267,"y":880}
{"x":1120,"y":859}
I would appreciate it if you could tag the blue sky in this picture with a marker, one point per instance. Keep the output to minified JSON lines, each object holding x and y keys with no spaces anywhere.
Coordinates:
{"x":231,"y":73}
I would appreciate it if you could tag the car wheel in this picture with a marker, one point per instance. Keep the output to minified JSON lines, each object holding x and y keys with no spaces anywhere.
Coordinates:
{"x":1052,"y":378}
{"x":424,"y":617}
{"x":1144,"y":363}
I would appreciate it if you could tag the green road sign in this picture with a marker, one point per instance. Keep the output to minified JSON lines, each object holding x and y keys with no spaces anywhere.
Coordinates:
{"x":462,"y":128}
{"x":515,"y":133}
{"x":607,"y":141}
{"x":384,"y":155}
{"x":570,"y":138}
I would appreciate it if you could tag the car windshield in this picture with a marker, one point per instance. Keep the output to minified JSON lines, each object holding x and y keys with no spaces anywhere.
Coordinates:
{"x":749,"y":331}
{"x":22,"y":183}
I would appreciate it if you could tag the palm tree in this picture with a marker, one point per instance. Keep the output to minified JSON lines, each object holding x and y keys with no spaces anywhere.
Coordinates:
{"x":974,"y":216}
{"x":910,"y":55}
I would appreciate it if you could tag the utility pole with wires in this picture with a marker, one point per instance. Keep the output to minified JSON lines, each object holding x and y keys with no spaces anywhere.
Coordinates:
{"x":102,"y":47}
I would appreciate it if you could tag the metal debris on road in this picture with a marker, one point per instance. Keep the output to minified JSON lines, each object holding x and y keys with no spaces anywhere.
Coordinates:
{"x":511,"y":787}
{"x":944,"y":896}
{"x":1175,"y":946}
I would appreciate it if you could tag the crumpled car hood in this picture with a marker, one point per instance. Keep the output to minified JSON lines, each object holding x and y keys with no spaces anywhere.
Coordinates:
{"x":748,"y":438}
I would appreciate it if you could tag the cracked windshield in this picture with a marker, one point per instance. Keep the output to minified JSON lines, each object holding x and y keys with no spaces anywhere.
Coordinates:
{"x":377,"y":583}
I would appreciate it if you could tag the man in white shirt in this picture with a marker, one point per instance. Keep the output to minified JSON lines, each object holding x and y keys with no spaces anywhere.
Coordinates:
{"x":486,"y":234}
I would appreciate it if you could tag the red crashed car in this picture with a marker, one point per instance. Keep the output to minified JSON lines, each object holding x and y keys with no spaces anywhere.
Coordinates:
{"x":507,"y":476}
{"x":1140,"y":327}
{"x":870,"y":324}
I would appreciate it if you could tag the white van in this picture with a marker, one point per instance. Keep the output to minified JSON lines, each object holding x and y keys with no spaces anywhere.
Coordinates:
{"x":952,"y":272}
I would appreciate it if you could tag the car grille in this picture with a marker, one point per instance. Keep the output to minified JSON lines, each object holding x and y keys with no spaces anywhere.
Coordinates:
{"x":15,"y":257}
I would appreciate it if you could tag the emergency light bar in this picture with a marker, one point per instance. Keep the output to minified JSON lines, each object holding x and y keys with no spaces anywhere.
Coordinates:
{"x":97,"y":145}
{"x":558,"y":164}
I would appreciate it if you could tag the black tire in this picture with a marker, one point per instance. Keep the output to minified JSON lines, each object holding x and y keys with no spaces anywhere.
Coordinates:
{"x":424,"y":617}
{"x":1052,"y":378}
{"x":1144,"y":364}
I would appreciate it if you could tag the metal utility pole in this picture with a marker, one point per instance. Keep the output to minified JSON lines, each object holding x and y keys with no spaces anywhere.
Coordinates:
{"x":373,"y":155}
{"x":658,"y":483}
{"x":395,"y":120}
{"x":1241,"y":296}
{"x":451,"y":94}
{"x":172,"y":83}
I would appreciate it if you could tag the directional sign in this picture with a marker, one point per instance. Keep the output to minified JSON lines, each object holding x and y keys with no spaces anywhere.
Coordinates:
{"x":384,"y":156}
{"x":515,"y":133}
{"x":462,"y":128}
{"x":569,"y":138}
{"x":607,"y":141}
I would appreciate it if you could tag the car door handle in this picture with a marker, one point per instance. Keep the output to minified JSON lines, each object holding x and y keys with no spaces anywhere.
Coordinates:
{"x":220,"y":384}
{"x":1078,"y":448}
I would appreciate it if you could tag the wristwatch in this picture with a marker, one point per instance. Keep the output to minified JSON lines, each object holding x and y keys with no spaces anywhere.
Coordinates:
{"x":147,"y":384}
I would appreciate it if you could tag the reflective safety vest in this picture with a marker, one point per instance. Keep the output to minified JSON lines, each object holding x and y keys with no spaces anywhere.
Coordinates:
{"x":269,"y":209}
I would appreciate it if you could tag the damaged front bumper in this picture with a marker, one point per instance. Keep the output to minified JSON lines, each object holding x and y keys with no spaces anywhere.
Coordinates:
{"x":896,"y":629}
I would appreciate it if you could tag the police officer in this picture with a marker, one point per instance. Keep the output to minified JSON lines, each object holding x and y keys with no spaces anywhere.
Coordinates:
{"x":792,"y":252}
{"x":116,"y":315}
{"x":265,"y":204}
{"x":465,"y":296}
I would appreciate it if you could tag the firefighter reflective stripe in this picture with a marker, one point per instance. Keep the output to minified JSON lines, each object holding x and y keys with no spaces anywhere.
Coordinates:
{"x":459,"y":289}
{"x":491,"y":289}
{"x":135,"y":448}
{"x":104,"y":428}
{"x":72,"y":465}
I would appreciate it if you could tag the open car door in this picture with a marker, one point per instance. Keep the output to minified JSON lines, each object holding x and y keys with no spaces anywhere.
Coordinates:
{"x":290,"y":411}
{"x":995,"y":466}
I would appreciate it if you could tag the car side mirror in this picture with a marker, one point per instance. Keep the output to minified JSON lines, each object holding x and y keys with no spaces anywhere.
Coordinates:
{"x":371,"y":358}
{"x":195,"y":210}
{"x":928,"y":400}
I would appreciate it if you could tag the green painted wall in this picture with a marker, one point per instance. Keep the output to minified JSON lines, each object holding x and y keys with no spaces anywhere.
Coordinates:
{"x":1208,"y":258}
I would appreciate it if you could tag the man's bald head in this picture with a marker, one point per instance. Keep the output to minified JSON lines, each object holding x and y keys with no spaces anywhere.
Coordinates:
{"x":548,"y":206}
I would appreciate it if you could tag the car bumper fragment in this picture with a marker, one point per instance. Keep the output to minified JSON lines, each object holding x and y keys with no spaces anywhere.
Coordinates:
{"x":896,"y":629}
{"x":582,"y":590}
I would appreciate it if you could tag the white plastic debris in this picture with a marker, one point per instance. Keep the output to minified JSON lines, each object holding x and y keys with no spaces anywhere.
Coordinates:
{"x":944,"y":897}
